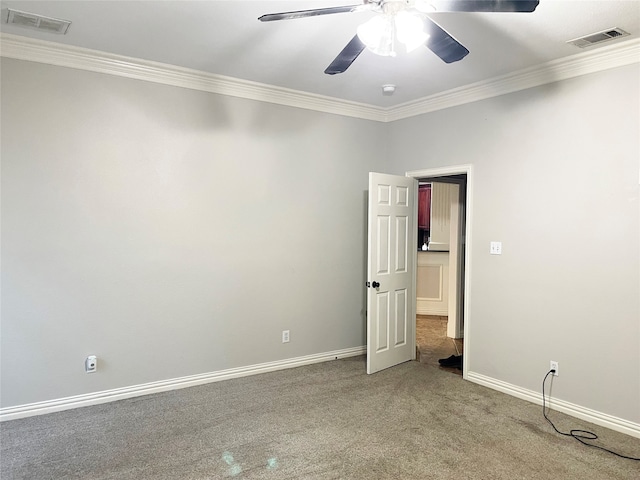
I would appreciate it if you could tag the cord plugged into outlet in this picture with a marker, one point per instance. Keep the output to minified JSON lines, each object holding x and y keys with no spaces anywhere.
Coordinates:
{"x":553,"y":366}
{"x":582,"y":436}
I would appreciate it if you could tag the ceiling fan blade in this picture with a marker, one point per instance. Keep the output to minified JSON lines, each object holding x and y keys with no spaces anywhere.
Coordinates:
{"x":270,"y":17}
{"x":346,"y":57}
{"x":524,"y":6}
{"x":443,"y":44}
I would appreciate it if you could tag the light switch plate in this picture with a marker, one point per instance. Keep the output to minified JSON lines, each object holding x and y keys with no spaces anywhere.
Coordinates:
{"x":496,"y":248}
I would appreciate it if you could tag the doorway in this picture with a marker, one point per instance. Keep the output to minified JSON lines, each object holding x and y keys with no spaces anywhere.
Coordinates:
{"x":459,"y":262}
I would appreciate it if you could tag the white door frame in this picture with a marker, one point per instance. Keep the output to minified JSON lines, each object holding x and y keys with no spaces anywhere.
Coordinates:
{"x":445,"y":172}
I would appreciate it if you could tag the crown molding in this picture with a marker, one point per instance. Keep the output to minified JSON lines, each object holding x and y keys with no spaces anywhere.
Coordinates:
{"x":603,"y":58}
{"x":24,"y":48}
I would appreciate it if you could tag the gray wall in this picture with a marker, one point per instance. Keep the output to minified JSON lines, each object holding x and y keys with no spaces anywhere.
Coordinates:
{"x":556,"y":180}
{"x":172,"y":232}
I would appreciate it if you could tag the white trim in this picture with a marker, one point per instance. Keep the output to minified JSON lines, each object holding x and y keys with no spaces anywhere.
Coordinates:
{"x":423,"y":307}
{"x":593,"y":416}
{"x":96,"y":398}
{"x":443,"y":172}
{"x":602,"y":58}
{"x":23,"y":48}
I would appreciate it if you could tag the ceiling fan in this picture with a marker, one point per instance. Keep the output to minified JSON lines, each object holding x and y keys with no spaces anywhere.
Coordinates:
{"x":404,"y":22}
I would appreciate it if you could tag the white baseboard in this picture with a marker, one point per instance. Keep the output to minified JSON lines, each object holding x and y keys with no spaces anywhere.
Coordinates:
{"x":593,"y":416}
{"x":431,"y":311}
{"x":429,"y":307}
{"x":96,"y":398}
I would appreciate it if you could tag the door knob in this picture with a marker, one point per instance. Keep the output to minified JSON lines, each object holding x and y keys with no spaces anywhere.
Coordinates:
{"x":375,"y":284}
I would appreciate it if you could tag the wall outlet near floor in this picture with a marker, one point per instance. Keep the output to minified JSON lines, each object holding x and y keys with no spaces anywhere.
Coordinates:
{"x":285,"y":336}
{"x":554,"y":366}
{"x":91,"y":364}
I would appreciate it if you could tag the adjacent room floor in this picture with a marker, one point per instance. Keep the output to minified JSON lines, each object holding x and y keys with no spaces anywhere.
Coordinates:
{"x":432,"y":342}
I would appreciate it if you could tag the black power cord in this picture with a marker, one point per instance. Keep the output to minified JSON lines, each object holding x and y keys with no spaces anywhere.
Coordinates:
{"x":579,"y":435}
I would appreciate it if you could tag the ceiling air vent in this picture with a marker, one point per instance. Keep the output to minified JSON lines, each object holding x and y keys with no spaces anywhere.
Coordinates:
{"x":38,"y":22}
{"x":598,"y":37}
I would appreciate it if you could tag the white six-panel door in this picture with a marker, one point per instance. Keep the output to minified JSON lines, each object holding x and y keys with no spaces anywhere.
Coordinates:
{"x":391,"y":300}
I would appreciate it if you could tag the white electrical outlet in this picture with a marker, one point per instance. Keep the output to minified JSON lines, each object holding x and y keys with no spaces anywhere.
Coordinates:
{"x":495,"y":248}
{"x":285,"y":336}
{"x":554,"y":366}
{"x":91,"y":364}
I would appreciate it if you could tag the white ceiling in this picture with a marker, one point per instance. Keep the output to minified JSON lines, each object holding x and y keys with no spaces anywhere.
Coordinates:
{"x":225,"y":38}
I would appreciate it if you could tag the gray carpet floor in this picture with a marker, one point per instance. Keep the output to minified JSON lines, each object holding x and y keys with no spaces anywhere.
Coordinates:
{"x":322,"y":421}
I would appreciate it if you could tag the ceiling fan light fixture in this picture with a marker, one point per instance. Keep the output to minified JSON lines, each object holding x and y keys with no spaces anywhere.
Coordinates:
{"x":381,"y":33}
{"x":410,"y":30}
{"x":378,"y":34}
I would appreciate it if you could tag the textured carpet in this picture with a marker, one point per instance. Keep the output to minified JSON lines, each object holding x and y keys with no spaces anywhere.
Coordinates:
{"x":323,"y":421}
